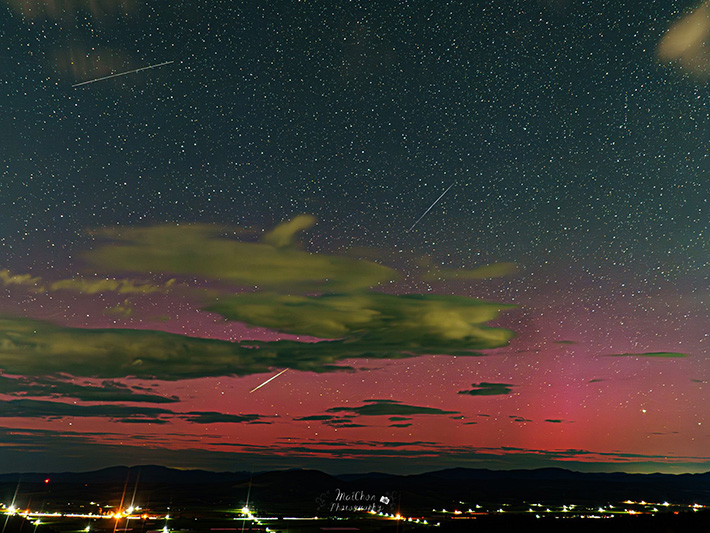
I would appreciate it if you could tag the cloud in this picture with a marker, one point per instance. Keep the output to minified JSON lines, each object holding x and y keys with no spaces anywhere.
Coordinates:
{"x":200,"y":250}
{"x":84,"y":285}
{"x":488,"y":389}
{"x":123,"y":310}
{"x":687,"y":42}
{"x":120,"y":286}
{"x":664,"y":355}
{"x":109,"y":391}
{"x":353,"y":324}
{"x":283,"y":234}
{"x":496,"y":270}
{"x":376,"y":324}
{"x":210,"y":417}
{"x":46,"y":450}
{"x":30,"y":408}
{"x":388,"y":408}
{"x":519,"y":418}
{"x":596,"y":380}
{"x":395,"y":411}
{"x":332,"y":421}
{"x":26,"y":408}
{"x":7,"y":278}
{"x":558,"y":421}
{"x":37,"y":348}
{"x":313,"y":418}
{"x":160,"y":421}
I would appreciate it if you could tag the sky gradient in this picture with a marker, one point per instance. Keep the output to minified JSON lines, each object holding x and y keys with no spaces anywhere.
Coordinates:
{"x":471,"y":235}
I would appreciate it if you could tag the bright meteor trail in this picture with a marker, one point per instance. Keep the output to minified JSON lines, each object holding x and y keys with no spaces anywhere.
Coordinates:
{"x":270,"y":379}
{"x":122,"y":73}
{"x":432,"y":205}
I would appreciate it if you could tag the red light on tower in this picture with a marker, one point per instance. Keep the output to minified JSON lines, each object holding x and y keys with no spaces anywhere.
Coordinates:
{"x":46,"y":481}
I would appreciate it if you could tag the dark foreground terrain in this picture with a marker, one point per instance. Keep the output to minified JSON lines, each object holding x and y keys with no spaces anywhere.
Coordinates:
{"x":151,"y":499}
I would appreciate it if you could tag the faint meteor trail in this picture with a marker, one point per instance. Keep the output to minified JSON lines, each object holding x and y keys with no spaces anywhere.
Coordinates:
{"x":431,"y":206}
{"x":270,"y":379}
{"x":122,"y":74}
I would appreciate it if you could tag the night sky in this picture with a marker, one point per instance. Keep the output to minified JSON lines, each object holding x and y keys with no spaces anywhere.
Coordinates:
{"x":173,"y":237}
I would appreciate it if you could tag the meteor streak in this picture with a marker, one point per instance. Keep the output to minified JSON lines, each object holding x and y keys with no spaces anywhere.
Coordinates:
{"x":430,"y":207}
{"x":265,"y":382}
{"x":122,"y":73}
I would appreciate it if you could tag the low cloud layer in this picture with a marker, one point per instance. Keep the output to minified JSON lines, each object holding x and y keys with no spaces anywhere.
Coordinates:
{"x":664,"y":355}
{"x":27,"y":408}
{"x":108,"y":391}
{"x":389,"y":408}
{"x":43,"y":409}
{"x":398,"y":414}
{"x":488,"y":389}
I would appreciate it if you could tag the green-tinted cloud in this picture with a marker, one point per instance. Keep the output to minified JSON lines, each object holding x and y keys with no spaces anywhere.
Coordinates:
{"x":357,"y":323}
{"x":488,"y":389}
{"x":124,"y":309}
{"x":283,"y":234}
{"x":686,"y":42}
{"x":375,"y":322}
{"x":665,"y":355}
{"x":36,"y":348}
{"x":8,"y":279}
{"x":120,"y":286}
{"x":200,"y":250}
{"x":83,"y":285}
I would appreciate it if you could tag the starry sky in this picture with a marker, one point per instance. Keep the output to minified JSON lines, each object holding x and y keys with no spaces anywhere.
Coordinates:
{"x":457,"y":234}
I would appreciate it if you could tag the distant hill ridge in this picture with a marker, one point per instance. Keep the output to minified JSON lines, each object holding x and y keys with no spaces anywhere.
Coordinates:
{"x":428,"y":490}
{"x":162,"y":474}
